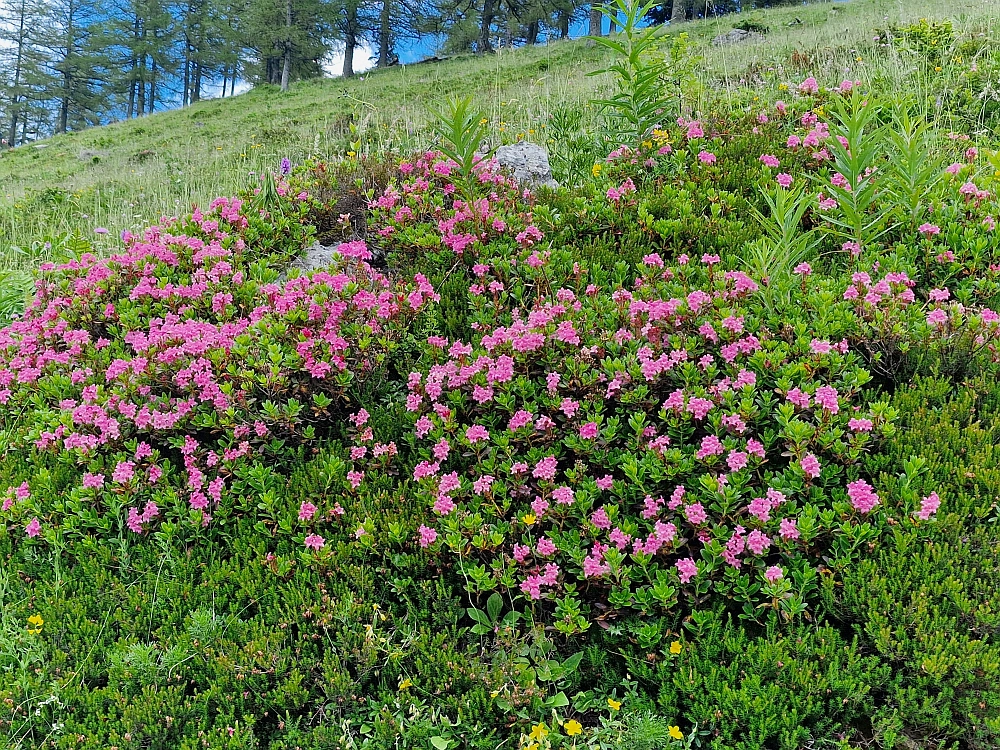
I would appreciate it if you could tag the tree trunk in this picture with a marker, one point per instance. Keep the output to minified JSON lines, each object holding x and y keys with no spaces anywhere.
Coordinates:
{"x":489,"y":10}
{"x":141,"y":88}
{"x":62,"y":123}
{"x":531,"y":37}
{"x":16,"y":91}
{"x":596,"y":20}
{"x":350,"y":38}
{"x":385,"y":36}
{"x":286,"y":68}
{"x":679,"y":12}
{"x":152,"y":85}
{"x":564,"y":24}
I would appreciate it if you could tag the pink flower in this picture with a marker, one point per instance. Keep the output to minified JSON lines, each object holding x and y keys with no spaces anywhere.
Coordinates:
{"x":826,"y":397}
{"x":444,"y":505}
{"x":686,"y":569}
{"x":788,"y":529}
{"x":477,"y":433}
{"x":592,"y":567}
{"x":863,"y":496}
{"x":860,"y":425}
{"x":736,"y":460}
{"x":314,"y":541}
{"x":809,"y":86}
{"x":769,"y":160}
{"x":820,"y":347}
{"x":929,"y":506}
{"x":563,"y":495}
{"x":803,"y":269}
{"x":306,"y":511}
{"x":33,"y":528}
{"x":482,"y":485}
{"x":600,"y":519}
{"x":810,"y":465}
{"x":784,"y":179}
{"x":758,"y":542}
{"x":929,"y":230}
{"x":774,"y":573}
{"x":93,"y":481}
{"x":937,"y":317}
{"x":123,"y":472}
{"x":799,"y":398}
{"x":605,"y":482}
{"x":706,"y":157}
{"x":545,"y":469}
{"x":427,"y":536}
{"x":695,"y":514}
{"x":589,"y":431}
{"x":545,"y":547}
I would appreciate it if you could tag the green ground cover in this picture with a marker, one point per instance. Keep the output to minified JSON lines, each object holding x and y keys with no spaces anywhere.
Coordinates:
{"x":697,"y":450}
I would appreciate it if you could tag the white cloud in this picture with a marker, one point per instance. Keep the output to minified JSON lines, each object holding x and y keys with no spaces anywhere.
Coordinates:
{"x":364,"y":55}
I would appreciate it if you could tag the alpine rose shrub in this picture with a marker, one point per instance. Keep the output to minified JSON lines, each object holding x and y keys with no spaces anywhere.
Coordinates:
{"x":636,"y":445}
{"x":163,"y":371}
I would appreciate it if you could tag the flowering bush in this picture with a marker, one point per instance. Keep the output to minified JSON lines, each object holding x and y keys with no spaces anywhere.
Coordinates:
{"x":640,"y":444}
{"x":159,"y":371}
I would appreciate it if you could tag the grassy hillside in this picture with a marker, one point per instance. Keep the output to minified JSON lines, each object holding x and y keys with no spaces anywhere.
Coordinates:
{"x":125,"y":175}
{"x":696,"y":451}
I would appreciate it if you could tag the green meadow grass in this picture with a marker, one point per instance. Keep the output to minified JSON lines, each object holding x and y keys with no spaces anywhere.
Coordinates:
{"x":125,"y":175}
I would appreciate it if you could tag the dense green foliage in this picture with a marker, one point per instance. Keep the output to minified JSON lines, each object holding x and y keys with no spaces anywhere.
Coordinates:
{"x":697,"y":450}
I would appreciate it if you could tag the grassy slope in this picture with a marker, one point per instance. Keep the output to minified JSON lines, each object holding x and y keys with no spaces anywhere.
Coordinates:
{"x":125,"y":175}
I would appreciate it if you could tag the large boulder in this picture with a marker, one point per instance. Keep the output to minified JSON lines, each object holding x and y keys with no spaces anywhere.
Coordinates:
{"x":528,"y":163}
{"x":736,"y":36}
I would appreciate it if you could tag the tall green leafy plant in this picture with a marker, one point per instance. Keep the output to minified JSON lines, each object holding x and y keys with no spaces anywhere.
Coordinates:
{"x":857,"y":152}
{"x":461,"y":131}
{"x":915,"y":168}
{"x":784,"y":243}
{"x":639,"y":69}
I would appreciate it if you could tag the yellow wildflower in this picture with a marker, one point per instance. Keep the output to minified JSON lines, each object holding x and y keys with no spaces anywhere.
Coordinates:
{"x":675,"y":647}
{"x":675,"y":732}
{"x":596,"y":170}
{"x":538,"y":731}
{"x":615,"y":705}
{"x":528,"y":518}
{"x":572,"y":727}
{"x":36,"y":622}
{"x":406,"y":684}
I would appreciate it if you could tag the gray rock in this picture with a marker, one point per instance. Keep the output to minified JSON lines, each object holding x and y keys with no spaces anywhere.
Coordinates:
{"x":736,"y":36}
{"x":314,"y":257}
{"x":528,"y":163}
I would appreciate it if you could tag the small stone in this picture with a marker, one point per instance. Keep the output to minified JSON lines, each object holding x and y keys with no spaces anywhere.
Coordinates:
{"x":736,"y":36}
{"x":528,"y":163}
